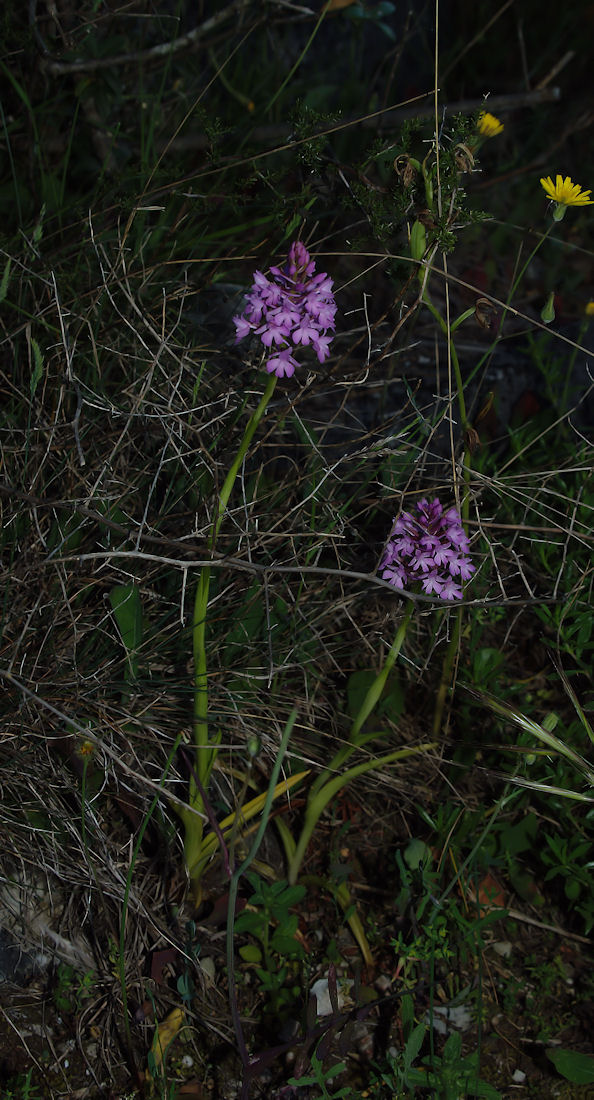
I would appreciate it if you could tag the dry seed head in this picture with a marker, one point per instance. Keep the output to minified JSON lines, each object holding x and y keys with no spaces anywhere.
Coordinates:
{"x":464,"y":158}
{"x":404,"y":168}
{"x":472,"y":440}
{"x":485,"y":313}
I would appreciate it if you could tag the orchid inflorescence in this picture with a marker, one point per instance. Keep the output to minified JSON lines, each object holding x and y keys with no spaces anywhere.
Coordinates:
{"x":430,"y":546}
{"x":295,"y":307}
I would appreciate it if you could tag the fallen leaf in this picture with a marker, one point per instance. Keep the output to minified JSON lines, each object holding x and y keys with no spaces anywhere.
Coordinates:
{"x":164,"y":1035}
{"x":160,"y":961}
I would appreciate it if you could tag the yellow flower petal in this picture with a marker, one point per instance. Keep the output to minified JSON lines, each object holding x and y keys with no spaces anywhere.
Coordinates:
{"x":489,"y":125}
{"x":566,"y":192}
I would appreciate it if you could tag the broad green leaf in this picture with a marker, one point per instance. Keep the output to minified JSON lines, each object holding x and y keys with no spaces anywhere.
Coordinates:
{"x":250,"y":921}
{"x":287,"y":946}
{"x":413,"y":1045}
{"x":575,"y":1067}
{"x":486,"y":665}
{"x":250,"y":953}
{"x":482,"y":1088}
{"x":292,"y":895}
{"x":407,"y":1012}
{"x":416,"y":854}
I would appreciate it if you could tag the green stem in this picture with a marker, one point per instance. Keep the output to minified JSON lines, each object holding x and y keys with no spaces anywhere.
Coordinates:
{"x":299,"y":59}
{"x":454,"y":354}
{"x":367,"y":707}
{"x":446,"y":673}
{"x":317,"y":804}
{"x":205,"y":746}
{"x":328,"y":783}
{"x":449,"y":659}
{"x":454,"y":641}
{"x":520,"y":275}
{"x":375,"y":692}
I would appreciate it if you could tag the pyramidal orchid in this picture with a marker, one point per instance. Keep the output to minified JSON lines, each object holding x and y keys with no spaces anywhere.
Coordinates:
{"x":430,"y":546}
{"x":293,"y":307}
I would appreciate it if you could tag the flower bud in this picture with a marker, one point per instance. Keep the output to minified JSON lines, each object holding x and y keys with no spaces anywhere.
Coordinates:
{"x":428,"y":190}
{"x":547,"y":313}
{"x":418,"y":241}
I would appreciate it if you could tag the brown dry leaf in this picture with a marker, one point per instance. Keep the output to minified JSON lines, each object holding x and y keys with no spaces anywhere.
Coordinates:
{"x":490,"y":894}
{"x":164,"y":1036}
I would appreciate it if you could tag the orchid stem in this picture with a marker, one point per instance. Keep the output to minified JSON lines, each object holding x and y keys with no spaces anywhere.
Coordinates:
{"x":331,"y":780}
{"x":206,"y":747}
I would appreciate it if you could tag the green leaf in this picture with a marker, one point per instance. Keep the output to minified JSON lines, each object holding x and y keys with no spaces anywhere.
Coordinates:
{"x":482,"y":1088}
{"x":407,"y":1012}
{"x":572,"y":889}
{"x":357,"y":688}
{"x":248,"y":921}
{"x":294,"y":224}
{"x":486,"y":664}
{"x":417,"y":854}
{"x":575,"y":1067}
{"x":287,"y":946}
{"x":250,"y":953}
{"x":391,"y":703}
{"x":292,"y":895}
{"x":413,"y":1045}
{"x":127,"y":609}
{"x":453,"y":1048}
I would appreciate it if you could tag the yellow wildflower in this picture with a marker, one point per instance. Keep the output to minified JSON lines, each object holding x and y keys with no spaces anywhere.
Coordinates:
{"x":488,"y":125}
{"x":566,"y":193}
{"x":589,"y":310}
